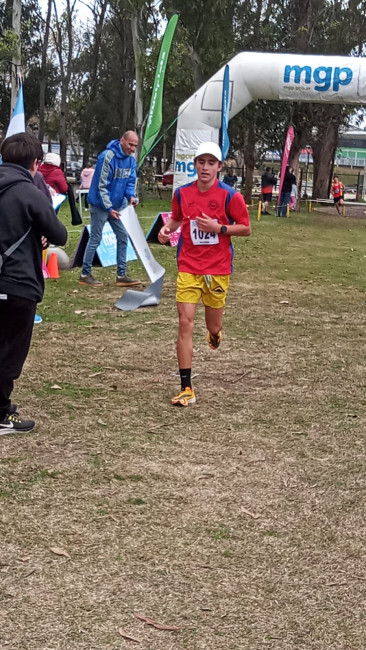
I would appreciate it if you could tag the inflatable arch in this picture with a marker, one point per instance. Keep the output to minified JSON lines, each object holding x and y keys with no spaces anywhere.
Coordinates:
{"x":255,"y":75}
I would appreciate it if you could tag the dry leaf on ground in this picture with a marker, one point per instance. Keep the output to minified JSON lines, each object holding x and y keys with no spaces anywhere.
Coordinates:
{"x":250,"y":514}
{"x":60,"y":551}
{"x":158,"y":626}
{"x":127,"y":636}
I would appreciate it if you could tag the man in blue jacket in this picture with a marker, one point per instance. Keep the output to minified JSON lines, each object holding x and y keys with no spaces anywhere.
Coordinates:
{"x":113,"y":183}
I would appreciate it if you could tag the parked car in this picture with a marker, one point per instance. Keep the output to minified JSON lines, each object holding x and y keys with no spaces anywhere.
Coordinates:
{"x":73,"y":170}
{"x":168,"y":177}
{"x":350,"y":193}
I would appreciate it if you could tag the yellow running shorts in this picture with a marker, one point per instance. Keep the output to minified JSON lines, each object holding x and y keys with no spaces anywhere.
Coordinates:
{"x":191,"y":288}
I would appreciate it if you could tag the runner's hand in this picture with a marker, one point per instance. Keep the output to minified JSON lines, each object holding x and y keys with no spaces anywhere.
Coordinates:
{"x":164,"y":235}
{"x":206,"y":224}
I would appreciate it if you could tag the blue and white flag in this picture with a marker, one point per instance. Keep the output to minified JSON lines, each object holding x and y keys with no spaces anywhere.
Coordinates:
{"x":17,"y":122}
{"x":225,"y":113}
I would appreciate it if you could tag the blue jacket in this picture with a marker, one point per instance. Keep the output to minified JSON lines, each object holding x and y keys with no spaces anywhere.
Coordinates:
{"x":114,"y":178}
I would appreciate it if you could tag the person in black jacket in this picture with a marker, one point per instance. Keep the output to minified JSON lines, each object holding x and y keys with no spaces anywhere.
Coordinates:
{"x":289,"y":180}
{"x":27,"y":223}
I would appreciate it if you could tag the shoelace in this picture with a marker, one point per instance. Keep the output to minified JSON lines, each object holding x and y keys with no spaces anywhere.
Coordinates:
{"x":186,"y":390}
{"x":12,"y":418}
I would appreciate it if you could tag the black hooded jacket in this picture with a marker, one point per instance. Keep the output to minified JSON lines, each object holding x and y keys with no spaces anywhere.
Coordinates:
{"x":22,"y":206}
{"x":268,"y":180}
{"x":288,"y":181}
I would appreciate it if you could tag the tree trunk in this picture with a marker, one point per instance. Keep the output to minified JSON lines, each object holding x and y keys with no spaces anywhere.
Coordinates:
{"x":64,"y":45}
{"x":294,"y":156}
{"x":16,"y":60}
{"x":197,"y":66}
{"x":138,"y":55}
{"x":250,"y":160}
{"x":99,"y":18}
{"x":324,"y":147}
{"x":43,"y":73}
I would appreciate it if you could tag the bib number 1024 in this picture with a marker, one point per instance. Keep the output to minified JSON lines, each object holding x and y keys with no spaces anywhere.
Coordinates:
{"x":200,"y":238}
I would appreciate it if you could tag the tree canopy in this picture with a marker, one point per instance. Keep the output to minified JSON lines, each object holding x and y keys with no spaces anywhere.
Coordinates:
{"x":88,"y":68}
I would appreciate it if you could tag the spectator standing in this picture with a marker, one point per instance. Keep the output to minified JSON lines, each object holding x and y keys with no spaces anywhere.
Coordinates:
{"x":86,"y":178}
{"x":268,"y":181}
{"x":293,"y":197}
{"x":230,"y":178}
{"x":53,"y":174}
{"x":288,"y":181}
{"x":57,"y":184}
{"x":27,"y":221}
{"x":113,"y":181}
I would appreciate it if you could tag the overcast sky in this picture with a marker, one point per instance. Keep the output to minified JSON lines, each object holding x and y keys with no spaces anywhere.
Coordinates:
{"x":83,"y":12}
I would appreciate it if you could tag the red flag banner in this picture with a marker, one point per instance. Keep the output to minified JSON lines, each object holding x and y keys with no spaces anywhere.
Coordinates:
{"x":286,"y":152}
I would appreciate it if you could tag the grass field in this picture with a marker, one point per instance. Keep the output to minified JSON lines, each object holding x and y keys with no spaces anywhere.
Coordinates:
{"x":240,"y":520}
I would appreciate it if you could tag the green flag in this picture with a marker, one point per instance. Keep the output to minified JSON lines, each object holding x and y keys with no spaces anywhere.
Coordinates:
{"x":155,"y":116}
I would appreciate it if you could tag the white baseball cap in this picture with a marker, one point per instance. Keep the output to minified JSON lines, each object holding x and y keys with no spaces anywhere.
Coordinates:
{"x":211,"y":148}
{"x":52,"y":159}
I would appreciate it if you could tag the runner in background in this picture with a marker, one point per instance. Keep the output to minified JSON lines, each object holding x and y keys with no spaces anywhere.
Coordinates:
{"x":268,"y":182}
{"x":337,"y":191}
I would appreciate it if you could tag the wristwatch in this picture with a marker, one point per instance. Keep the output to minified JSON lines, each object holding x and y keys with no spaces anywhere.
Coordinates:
{"x":223,"y":230}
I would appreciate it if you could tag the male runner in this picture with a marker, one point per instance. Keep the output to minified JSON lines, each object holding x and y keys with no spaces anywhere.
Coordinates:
{"x":337,"y":191}
{"x":210,"y":213}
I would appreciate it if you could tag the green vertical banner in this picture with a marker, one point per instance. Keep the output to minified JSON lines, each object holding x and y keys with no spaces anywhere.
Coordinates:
{"x":155,"y":117}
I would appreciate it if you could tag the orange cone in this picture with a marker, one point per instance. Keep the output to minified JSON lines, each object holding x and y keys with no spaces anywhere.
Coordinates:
{"x":52,"y":266}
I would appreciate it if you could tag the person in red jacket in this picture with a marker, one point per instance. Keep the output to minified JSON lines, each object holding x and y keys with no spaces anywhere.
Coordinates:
{"x":53,"y":174}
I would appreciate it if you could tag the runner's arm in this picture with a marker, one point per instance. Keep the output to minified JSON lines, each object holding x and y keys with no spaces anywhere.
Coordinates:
{"x":207,"y":224}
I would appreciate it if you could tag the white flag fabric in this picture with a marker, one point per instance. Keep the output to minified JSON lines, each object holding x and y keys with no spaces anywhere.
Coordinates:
{"x":57,"y":199}
{"x":17,"y":122}
{"x":151,"y":296}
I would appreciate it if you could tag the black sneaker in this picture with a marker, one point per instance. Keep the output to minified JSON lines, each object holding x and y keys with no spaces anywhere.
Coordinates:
{"x":14,"y":424}
{"x":126,"y":281}
{"x":13,"y":408}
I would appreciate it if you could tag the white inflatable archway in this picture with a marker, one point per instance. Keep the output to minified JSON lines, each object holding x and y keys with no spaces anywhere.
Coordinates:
{"x":255,"y":75}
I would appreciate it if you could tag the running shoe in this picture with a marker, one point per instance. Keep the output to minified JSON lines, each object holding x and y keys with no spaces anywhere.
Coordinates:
{"x":126,"y":281}
{"x":14,"y":424}
{"x":184,"y":398}
{"x":214,"y":340}
{"x":89,"y":280}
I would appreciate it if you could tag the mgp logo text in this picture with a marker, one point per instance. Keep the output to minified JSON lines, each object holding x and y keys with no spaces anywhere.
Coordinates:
{"x":321,"y":79}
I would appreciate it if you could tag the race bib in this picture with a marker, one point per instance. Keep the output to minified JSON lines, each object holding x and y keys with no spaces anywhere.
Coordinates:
{"x":200,"y":238}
